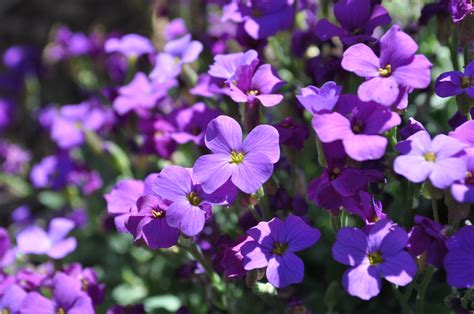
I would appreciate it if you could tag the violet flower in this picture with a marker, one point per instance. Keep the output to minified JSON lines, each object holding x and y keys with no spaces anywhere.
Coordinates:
{"x":366,"y":207}
{"x":52,"y":171}
{"x":225,"y":66}
{"x":89,"y":283}
{"x":190,"y":205}
{"x":247,"y":164}
{"x":410,"y":128}
{"x":454,"y":83}
{"x":435,"y":159}
{"x":34,"y":240}
{"x":67,"y":298}
{"x":316,"y":99}
{"x":463,"y":190}
{"x":358,"y":125}
{"x":14,"y":158}
{"x":397,"y":67}
{"x":130,"y":45}
{"x":253,"y":85}
{"x":460,"y":9}
{"x":150,"y":224}
{"x":459,"y":261}
{"x":292,"y":134}
{"x":358,"y":19}
{"x":11,"y":301}
{"x":273,"y":245}
{"x":374,"y":252}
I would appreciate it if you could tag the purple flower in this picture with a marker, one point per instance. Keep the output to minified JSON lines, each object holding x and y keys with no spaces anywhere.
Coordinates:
{"x":88,"y":279}
{"x":34,"y":240}
{"x":397,"y":67}
{"x":247,"y":164}
{"x":15,"y":159}
{"x":463,"y":190}
{"x":358,"y":125}
{"x":428,"y":236}
{"x":273,"y":245}
{"x":232,"y":259}
{"x":465,"y":134}
{"x":11,"y":301}
{"x":435,"y":159}
{"x":52,"y":171}
{"x":225,"y":66}
{"x":459,"y":261}
{"x":176,"y":53}
{"x":292,"y":134}
{"x":130,"y":45}
{"x":175,"y":29}
{"x":261,"y":19}
{"x":141,"y":95}
{"x":7,"y":253}
{"x":157,"y":136}
{"x":70,"y":124}
{"x":366,"y":207}
{"x":358,"y":19}
{"x":6,"y":112}
{"x":316,"y":99}
{"x":455,"y":83}
{"x":67,"y":298}
{"x":191,"y":122}
{"x":190,"y":205}
{"x":254,"y":85}
{"x":459,"y":9}
{"x":149,"y":223}
{"x":411,"y":128}
{"x":67,"y":44}
{"x":374,"y":252}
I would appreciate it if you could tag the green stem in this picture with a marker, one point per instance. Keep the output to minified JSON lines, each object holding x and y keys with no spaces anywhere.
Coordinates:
{"x":420,"y":300}
{"x":468,"y":116}
{"x":402,"y":299}
{"x":434,"y":205}
{"x":254,"y":212}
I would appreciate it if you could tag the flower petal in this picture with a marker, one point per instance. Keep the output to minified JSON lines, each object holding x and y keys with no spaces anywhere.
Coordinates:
{"x":414,"y":168}
{"x":185,"y":217}
{"x":447,"y":171}
{"x":263,"y":139}
{"x":213,"y":171}
{"x":399,"y":269}
{"x":254,"y":171}
{"x":331,"y":127}
{"x":350,"y":247}
{"x":285,"y":270}
{"x":362,"y":281}
{"x":361,"y":60}
{"x":173,"y":183}
{"x":223,"y":135}
{"x":417,"y":74}
{"x":297,"y":234}
{"x":382,"y":90}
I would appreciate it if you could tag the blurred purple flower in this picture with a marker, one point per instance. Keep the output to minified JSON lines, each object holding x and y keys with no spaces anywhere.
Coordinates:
{"x":89,"y":283}
{"x":67,"y":44}
{"x":6,"y":112}
{"x":459,"y":261}
{"x":11,"y":301}
{"x":374,"y":252}
{"x":34,"y":240}
{"x":247,"y":164}
{"x":316,"y":99}
{"x":455,"y":82}
{"x":397,"y":67}
{"x":460,"y":9}
{"x":232,"y":259}
{"x":22,"y":215}
{"x":157,"y":132}
{"x":463,"y":190}
{"x":292,"y":134}
{"x":52,"y":171}
{"x":358,"y":19}
{"x":423,"y":158}
{"x":130,"y":45}
{"x":14,"y":159}
{"x":367,"y":208}
{"x":175,"y":29}
{"x":273,"y":245}
{"x":226,"y":66}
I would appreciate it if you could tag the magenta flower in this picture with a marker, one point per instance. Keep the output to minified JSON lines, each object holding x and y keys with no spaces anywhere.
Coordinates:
{"x":190,"y":205}
{"x":68,"y":297}
{"x":397,"y":67}
{"x":423,"y":158}
{"x":374,"y":252}
{"x":34,"y":240}
{"x":358,"y":125}
{"x":149,"y":223}
{"x":141,"y":95}
{"x":459,"y":262}
{"x":130,"y":45}
{"x":358,"y":19}
{"x":254,"y":85}
{"x":273,"y":245}
{"x":455,"y":83}
{"x":247,"y":164}
{"x":316,"y":99}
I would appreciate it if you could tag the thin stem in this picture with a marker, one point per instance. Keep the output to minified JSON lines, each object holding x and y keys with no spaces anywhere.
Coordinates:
{"x":468,"y":116}
{"x":420,"y":300}
{"x":402,"y":299}
{"x":434,"y":205}
{"x":254,"y":212}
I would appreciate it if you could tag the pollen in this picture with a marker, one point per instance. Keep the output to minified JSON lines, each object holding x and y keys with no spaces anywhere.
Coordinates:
{"x":375,"y":258}
{"x":236,"y":157}
{"x":157,"y":213}
{"x":430,"y":156}
{"x":469,"y":179}
{"x":466,"y":82}
{"x":194,"y":199}
{"x":279,"y":248}
{"x":386,"y":71}
{"x":61,"y":311}
{"x":253,"y":92}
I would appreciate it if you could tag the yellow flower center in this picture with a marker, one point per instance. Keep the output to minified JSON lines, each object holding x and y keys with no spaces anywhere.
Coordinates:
{"x":430,"y":156}
{"x":279,"y":248}
{"x":254,"y":92}
{"x":469,"y":178}
{"x":5,"y":311}
{"x":386,"y":71}
{"x":236,"y":157}
{"x":194,"y":199}
{"x":375,"y":258}
{"x":335,"y":172}
{"x":157,"y":213}
{"x":61,"y":311}
{"x":466,"y":82}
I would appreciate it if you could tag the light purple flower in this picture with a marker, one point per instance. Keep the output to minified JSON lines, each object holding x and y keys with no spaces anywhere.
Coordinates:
{"x":157,"y":138}
{"x":273,"y":245}
{"x":316,"y":99}
{"x":435,"y":159}
{"x":253,"y":85}
{"x":89,"y":283}
{"x":130,"y":45}
{"x":398,"y":66}
{"x":176,"y":53}
{"x":247,"y":164}
{"x":175,"y":29}
{"x":225,"y":66}
{"x":67,"y":298}
{"x":190,"y":205}
{"x":463,"y":190}
{"x":150,"y":224}
{"x":11,"y":301}
{"x":141,"y":94}
{"x":52,"y":171}
{"x":15,"y":159}
{"x":455,"y":82}
{"x":358,"y":19}
{"x":374,"y":252}
{"x":358,"y":125}
{"x":459,"y":262}
{"x":34,"y":240}
{"x":366,"y":207}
